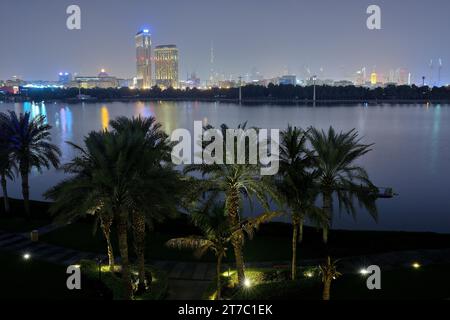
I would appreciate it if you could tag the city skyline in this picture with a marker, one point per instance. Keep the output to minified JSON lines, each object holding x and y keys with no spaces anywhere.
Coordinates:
{"x":265,"y":44}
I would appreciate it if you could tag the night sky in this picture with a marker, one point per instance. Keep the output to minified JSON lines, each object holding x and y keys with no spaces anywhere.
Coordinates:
{"x":275,"y":37}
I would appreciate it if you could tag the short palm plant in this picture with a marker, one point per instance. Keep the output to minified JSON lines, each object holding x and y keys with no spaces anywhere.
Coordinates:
{"x":329,"y":273}
{"x":217,"y":235}
{"x":215,"y":238}
{"x":29,"y":142}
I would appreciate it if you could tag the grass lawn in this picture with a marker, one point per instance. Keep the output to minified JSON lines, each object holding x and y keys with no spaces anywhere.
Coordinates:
{"x":15,"y":220}
{"x":29,"y":279}
{"x":429,"y":282}
{"x":271,"y":243}
{"x":81,"y":236}
{"x":18,"y":225}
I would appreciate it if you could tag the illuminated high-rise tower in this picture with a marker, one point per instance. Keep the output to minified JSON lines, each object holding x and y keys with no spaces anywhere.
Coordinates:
{"x":144,"y":59}
{"x":166,"y":66}
{"x":373,"y":78}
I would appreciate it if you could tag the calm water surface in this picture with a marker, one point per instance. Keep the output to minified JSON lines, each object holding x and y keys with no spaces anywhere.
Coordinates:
{"x":411,"y":152}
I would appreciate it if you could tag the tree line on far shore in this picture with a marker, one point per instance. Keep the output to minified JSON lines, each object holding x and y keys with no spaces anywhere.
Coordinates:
{"x":249,"y":92}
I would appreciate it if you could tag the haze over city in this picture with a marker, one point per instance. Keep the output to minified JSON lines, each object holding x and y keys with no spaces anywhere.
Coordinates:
{"x":326,"y":38}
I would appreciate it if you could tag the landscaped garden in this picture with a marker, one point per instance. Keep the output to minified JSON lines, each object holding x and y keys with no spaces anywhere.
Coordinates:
{"x":275,"y":284}
{"x":123,"y":185}
{"x":22,"y":278}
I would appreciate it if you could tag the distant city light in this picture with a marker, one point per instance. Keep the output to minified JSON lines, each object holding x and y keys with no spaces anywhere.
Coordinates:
{"x":42,"y":86}
{"x":26,"y":256}
{"x":416,"y":265}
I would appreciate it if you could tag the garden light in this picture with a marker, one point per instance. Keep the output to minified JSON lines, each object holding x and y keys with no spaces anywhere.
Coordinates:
{"x":364,"y":271}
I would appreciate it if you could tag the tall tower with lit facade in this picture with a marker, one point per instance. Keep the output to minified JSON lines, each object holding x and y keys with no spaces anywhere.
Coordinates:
{"x":373,"y":78}
{"x":144,"y":59}
{"x":166,"y":66}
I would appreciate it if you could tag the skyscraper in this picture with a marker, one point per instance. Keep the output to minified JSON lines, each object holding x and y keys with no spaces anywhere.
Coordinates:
{"x":373,"y":78}
{"x":166,"y":66}
{"x":144,"y":59}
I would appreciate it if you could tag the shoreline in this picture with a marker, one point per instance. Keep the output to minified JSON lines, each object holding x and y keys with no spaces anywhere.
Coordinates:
{"x":277,"y":227}
{"x":243,"y":101}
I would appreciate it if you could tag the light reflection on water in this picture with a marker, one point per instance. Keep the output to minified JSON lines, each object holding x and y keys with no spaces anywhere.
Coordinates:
{"x":411,"y":152}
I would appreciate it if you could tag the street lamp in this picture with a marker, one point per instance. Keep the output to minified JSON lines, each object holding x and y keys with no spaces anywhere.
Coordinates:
{"x":240,"y":89}
{"x":314,"y":78}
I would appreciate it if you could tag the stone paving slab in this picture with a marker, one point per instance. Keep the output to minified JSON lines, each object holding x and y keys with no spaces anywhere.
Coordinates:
{"x":200,"y":271}
{"x":11,"y":241}
{"x":177,"y":270}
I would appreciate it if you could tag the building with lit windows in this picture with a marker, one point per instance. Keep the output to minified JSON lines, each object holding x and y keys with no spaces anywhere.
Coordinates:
{"x":64,"y":78}
{"x":102,"y":81}
{"x":166,"y":66}
{"x":288,"y":80}
{"x":144,"y":59}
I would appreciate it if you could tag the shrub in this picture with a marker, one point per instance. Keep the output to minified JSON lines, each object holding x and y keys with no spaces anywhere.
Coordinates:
{"x":158,"y":289}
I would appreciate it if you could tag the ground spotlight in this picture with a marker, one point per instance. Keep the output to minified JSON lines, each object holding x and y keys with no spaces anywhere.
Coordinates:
{"x":364,"y":271}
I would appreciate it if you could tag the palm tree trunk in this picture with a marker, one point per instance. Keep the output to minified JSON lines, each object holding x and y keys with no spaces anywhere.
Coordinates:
{"x":327,"y":209}
{"x":5,"y":194}
{"x":295,"y":224}
{"x":239,"y":256}
{"x":106,"y":222}
{"x":25,"y":191}
{"x":219,"y":273}
{"x":237,"y":240}
{"x":123,"y":247}
{"x":300,"y":230}
{"x":139,"y":246}
{"x":326,"y":290}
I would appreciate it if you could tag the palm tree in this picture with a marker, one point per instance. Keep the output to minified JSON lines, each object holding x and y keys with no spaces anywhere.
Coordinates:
{"x":217,"y":235}
{"x":329,"y":273}
{"x":235,"y":182}
{"x":162,"y":183}
{"x":30,"y":144}
{"x":296,"y":184}
{"x":335,"y":157}
{"x":77,"y":196}
{"x":82,"y":194}
{"x":109,"y":171}
{"x":7,"y":168}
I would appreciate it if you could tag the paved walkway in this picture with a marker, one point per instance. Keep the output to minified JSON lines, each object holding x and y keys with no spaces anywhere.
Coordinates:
{"x":21,"y":243}
{"x":202,"y":271}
